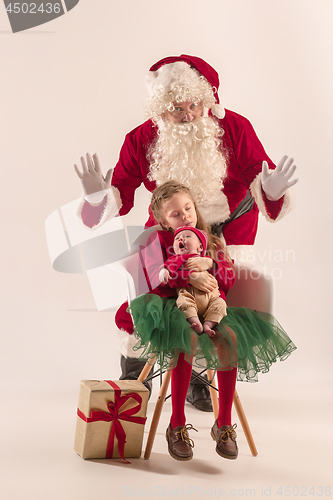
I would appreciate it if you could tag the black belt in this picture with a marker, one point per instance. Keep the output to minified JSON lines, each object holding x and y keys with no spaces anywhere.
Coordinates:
{"x":243,"y":208}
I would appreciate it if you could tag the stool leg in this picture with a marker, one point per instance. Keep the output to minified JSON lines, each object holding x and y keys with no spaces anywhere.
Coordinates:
{"x":244,"y":424}
{"x":213,"y":393}
{"x":157,"y":413}
{"x":146,"y":369}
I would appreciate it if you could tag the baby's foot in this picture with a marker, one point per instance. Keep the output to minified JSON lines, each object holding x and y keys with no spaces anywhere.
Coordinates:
{"x":208,"y":328}
{"x":195,"y":324}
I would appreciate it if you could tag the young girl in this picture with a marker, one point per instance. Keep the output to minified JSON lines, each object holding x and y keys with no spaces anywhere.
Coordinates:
{"x":245,"y":340}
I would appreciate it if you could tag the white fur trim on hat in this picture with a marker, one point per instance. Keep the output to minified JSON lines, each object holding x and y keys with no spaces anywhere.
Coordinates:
{"x":168,"y":75}
{"x":288,"y":201}
{"x":113,"y":205}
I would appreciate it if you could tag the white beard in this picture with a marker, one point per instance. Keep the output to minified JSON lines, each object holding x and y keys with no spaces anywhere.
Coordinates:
{"x":188,"y":153}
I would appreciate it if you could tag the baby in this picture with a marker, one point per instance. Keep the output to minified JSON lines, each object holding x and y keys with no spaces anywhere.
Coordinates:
{"x":191,"y":242}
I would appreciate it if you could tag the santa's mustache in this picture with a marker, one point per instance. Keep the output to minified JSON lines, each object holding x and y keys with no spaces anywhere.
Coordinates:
{"x":199,"y":129}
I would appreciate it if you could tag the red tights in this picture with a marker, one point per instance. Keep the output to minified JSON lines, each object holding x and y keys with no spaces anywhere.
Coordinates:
{"x":226,"y":382}
{"x":180,"y":381}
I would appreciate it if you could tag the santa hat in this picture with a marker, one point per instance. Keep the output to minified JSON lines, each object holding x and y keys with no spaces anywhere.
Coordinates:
{"x":183,"y":76}
{"x":202,"y":235}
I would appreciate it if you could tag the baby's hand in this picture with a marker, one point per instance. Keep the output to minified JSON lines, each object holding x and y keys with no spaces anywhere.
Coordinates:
{"x":164,"y":276}
{"x":199,"y":264}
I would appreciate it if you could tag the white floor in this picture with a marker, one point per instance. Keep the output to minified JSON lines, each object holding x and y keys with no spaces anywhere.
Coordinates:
{"x":291,"y":425}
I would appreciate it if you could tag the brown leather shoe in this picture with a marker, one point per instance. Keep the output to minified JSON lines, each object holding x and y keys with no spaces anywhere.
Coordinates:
{"x":198,"y":394}
{"x":225,"y":438}
{"x":179,"y":443}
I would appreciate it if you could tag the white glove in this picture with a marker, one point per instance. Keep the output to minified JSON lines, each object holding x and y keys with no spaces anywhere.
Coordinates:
{"x":91,"y":177}
{"x":276,"y":183}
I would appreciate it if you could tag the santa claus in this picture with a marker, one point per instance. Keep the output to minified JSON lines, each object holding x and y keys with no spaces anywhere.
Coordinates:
{"x":189,"y":137}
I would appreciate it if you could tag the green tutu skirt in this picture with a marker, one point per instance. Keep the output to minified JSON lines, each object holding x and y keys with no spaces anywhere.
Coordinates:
{"x":250,"y":340}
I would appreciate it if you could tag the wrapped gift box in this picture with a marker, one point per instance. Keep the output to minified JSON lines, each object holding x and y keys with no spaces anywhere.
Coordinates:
{"x":110,"y":418}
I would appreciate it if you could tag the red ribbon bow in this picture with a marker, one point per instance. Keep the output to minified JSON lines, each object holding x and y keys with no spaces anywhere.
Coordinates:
{"x":114,"y":415}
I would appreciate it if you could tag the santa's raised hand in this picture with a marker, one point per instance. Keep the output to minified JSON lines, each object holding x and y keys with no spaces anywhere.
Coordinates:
{"x":93,"y":182}
{"x":276,"y":182}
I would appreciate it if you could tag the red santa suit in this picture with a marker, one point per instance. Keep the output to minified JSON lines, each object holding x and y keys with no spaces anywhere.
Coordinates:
{"x":245,"y":155}
{"x":244,"y":165}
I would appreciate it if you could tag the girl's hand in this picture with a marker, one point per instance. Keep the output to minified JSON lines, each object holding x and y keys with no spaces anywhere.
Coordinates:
{"x":199,"y":264}
{"x":91,"y":177}
{"x":204,"y":281}
{"x":164,"y":276}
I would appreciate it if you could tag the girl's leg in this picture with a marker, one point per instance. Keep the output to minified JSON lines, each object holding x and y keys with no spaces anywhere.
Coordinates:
{"x":226,"y":378}
{"x":226,"y":383}
{"x":179,"y":443}
{"x":180,"y":381}
{"x":222,"y":431}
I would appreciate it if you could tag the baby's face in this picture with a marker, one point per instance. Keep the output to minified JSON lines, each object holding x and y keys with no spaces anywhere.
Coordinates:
{"x":187,"y":242}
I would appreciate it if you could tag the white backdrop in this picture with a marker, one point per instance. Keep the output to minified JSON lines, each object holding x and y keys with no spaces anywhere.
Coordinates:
{"x":77,"y":85}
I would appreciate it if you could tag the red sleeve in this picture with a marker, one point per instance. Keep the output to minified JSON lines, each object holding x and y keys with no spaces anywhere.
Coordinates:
{"x":127,"y":176}
{"x":158,"y":249}
{"x":223,"y":272}
{"x":273,"y":208}
{"x":247,"y":149}
{"x":92,"y":215}
{"x":129,"y":173}
{"x":178,"y":273}
{"x":249,"y":154}
{"x":132,"y":167}
{"x":153,"y":256}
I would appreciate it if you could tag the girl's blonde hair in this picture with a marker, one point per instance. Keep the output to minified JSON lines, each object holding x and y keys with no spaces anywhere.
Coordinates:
{"x":166,"y":191}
